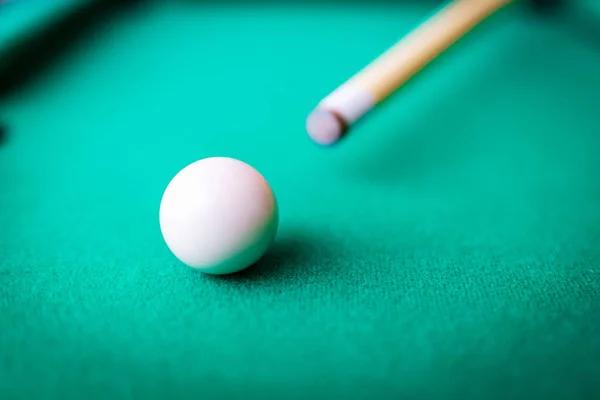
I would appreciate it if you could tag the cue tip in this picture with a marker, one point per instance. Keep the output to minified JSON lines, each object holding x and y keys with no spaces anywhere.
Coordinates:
{"x":325,"y":127}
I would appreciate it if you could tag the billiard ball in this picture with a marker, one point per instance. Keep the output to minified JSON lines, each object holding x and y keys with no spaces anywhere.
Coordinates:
{"x":218,"y":215}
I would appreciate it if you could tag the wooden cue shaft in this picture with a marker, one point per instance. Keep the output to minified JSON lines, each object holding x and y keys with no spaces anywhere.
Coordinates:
{"x":411,"y":54}
{"x":387,"y":73}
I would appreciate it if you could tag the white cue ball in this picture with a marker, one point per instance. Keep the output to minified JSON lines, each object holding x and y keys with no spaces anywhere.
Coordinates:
{"x":218,"y":215}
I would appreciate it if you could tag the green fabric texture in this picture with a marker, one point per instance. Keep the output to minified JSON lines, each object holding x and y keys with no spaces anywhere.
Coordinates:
{"x":21,"y":18}
{"x":449,"y":247}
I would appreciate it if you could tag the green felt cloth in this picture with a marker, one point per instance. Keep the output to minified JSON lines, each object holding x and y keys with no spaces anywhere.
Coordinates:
{"x":449,"y":248}
{"x":23,"y":18}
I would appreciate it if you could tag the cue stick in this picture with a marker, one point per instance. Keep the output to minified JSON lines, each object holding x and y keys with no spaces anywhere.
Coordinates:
{"x":333,"y":116}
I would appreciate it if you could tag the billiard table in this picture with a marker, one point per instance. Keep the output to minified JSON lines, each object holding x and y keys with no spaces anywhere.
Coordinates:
{"x":448,"y":247}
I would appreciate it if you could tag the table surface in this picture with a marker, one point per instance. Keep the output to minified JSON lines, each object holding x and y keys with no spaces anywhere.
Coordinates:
{"x":20,"y":18}
{"x":449,"y":247}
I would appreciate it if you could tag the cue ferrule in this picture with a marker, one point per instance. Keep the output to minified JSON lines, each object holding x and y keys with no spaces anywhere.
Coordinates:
{"x":351,"y":101}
